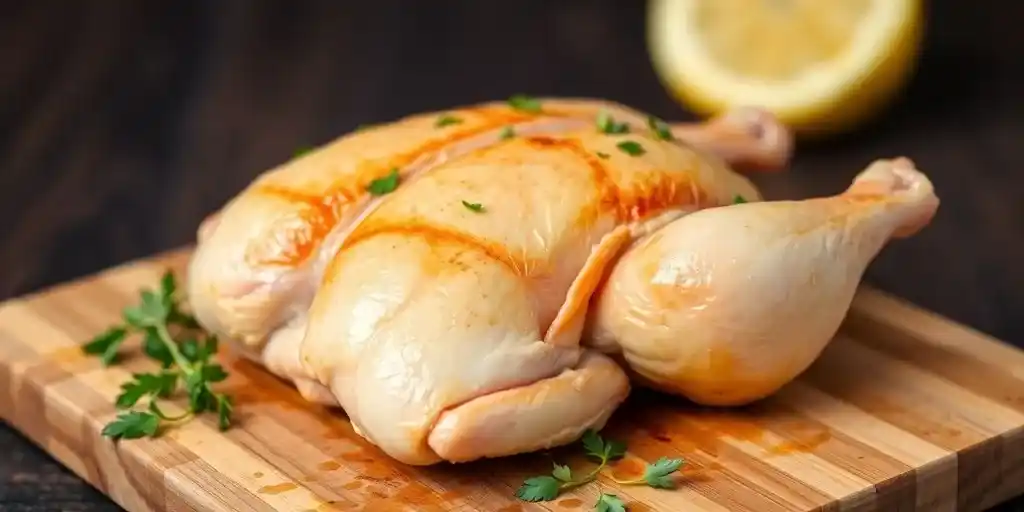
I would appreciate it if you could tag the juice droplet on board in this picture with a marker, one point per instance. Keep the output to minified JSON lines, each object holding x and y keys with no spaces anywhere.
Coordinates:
{"x":277,"y":488}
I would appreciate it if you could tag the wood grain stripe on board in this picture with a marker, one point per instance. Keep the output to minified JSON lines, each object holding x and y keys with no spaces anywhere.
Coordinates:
{"x":932,"y":329}
{"x":935,"y":480}
{"x":67,"y":432}
{"x":929,"y":407}
{"x":993,"y":383}
{"x":1003,"y":384}
{"x":666,"y":432}
{"x":796,"y":446}
{"x":802,"y":437}
{"x":912,"y":399}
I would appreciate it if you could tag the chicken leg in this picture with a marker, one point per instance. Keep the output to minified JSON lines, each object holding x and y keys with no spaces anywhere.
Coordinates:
{"x":727,"y":305}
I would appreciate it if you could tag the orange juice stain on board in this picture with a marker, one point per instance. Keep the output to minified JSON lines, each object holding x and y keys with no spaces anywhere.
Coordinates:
{"x":277,"y":488}
{"x":570,"y":503}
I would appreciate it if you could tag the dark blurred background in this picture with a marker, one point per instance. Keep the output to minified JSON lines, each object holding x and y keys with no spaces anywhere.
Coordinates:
{"x":123,"y":123}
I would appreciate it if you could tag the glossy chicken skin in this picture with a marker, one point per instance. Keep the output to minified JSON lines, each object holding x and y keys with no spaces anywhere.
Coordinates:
{"x":260,"y":259}
{"x":727,"y":305}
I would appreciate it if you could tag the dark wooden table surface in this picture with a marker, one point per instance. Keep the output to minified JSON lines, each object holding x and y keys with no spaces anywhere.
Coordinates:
{"x":122,"y":123}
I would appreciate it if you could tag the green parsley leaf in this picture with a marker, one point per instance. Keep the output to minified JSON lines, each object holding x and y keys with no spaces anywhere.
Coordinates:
{"x":604,"y":450}
{"x":176,"y":317}
{"x":660,"y":128}
{"x":106,"y":344}
{"x":153,"y":310}
{"x":385,"y":185}
{"x":135,"y":317}
{"x":447,"y":120}
{"x":562,"y":473}
{"x":607,"y":124}
{"x":506,"y":133}
{"x":738,"y":199}
{"x":198,"y":352}
{"x":199,"y":396}
{"x":190,"y":349}
{"x":609,"y":503}
{"x":155,"y":348}
{"x":151,"y":384}
{"x":657,"y":475}
{"x":476,"y":207}
{"x":132,"y":425}
{"x":631,"y":148}
{"x":524,"y":103}
{"x":214,"y":373}
{"x":209,"y":348}
{"x":168,"y":284}
{"x":603,"y":155}
{"x":538,"y":488}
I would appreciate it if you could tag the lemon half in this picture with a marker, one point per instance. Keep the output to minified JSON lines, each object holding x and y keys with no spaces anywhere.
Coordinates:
{"x":821,"y":66}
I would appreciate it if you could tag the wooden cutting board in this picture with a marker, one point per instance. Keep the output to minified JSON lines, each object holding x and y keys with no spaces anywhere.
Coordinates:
{"x":903,"y":411}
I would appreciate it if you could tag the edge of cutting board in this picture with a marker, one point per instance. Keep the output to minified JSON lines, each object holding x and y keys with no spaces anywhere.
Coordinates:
{"x":986,"y":377}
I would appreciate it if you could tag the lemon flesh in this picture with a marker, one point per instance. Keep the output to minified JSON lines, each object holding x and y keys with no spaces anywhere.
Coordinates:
{"x":822,"y":66}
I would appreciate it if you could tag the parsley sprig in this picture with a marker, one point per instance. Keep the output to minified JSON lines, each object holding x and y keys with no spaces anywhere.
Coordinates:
{"x":607,"y":124}
{"x":656,"y":475}
{"x":476,"y":207}
{"x":447,"y":120}
{"x":186,"y":362}
{"x":660,"y":128}
{"x":609,"y":503}
{"x":548,"y":487}
{"x":525,"y":103}
{"x":385,"y":184}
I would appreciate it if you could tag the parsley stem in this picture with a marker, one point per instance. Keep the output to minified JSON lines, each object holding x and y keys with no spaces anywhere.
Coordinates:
{"x":173,"y":419}
{"x":172,"y":347}
{"x":587,"y":479}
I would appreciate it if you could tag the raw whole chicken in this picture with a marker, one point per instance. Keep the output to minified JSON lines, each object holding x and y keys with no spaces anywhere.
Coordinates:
{"x":485,"y":281}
